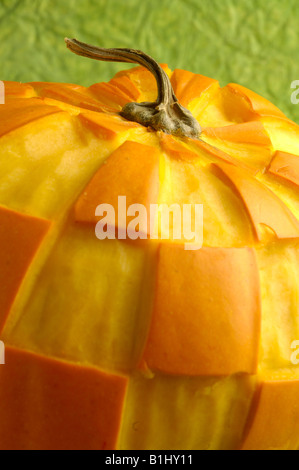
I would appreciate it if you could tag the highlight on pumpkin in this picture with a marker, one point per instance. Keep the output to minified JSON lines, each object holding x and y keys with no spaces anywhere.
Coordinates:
{"x":295,"y":353}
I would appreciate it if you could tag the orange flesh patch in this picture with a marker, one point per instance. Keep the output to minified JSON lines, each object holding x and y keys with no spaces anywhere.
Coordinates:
{"x":263,"y":206}
{"x":248,"y":132}
{"x":227,"y":107}
{"x":18,"y":90}
{"x":46,"y":404}
{"x":194,"y":150}
{"x":214,"y":152}
{"x":131,"y":171}
{"x":110,"y":95}
{"x":206,"y":318}
{"x":126,"y":86}
{"x":20,"y":238}
{"x":286,"y":166}
{"x":71,"y":94}
{"x":175,"y":148}
{"x":106,"y":126}
{"x":259,"y":104}
{"x":274,"y":419}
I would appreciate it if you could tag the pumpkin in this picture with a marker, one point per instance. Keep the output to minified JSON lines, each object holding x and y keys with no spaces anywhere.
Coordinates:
{"x":141,"y":344}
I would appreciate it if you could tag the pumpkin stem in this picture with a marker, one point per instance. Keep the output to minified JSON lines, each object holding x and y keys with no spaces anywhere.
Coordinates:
{"x":165,"y":114}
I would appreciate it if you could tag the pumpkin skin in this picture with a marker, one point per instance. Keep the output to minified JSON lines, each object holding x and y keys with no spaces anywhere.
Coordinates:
{"x":117,"y":344}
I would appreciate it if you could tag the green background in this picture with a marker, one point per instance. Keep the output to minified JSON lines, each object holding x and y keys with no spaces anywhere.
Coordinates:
{"x":251,"y":42}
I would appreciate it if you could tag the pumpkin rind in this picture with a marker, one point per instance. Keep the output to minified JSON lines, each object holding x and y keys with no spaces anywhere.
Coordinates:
{"x":160,"y":347}
{"x":203,"y":296}
{"x":20,"y":238}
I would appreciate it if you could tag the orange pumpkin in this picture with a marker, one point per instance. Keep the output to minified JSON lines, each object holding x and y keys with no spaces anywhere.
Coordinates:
{"x":119,"y":344}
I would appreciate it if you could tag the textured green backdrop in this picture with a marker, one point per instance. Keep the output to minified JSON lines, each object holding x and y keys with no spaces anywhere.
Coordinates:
{"x":251,"y":42}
